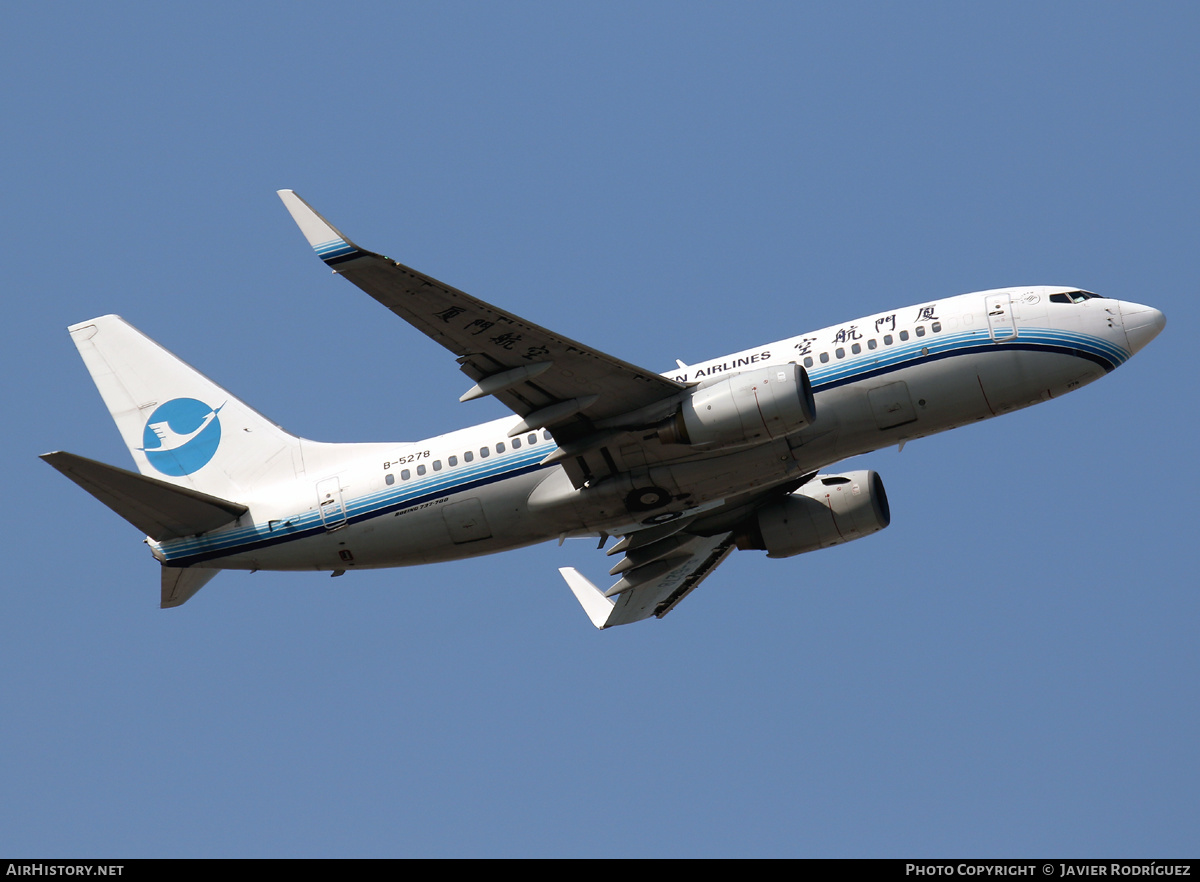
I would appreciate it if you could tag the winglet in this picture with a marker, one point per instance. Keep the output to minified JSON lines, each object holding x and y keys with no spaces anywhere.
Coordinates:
{"x":331,"y":246}
{"x":598,"y":607}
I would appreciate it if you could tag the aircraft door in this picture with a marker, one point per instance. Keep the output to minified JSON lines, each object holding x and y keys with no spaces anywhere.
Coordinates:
{"x":1000,"y":317}
{"x":330,"y":505}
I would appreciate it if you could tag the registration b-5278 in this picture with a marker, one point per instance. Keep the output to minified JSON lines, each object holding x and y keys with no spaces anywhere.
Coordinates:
{"x":681,"y":468}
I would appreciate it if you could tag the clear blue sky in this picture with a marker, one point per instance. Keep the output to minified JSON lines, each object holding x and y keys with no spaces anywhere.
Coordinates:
{"x":1010,"y":669}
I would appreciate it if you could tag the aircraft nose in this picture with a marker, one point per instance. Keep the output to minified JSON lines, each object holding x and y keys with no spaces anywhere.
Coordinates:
{"x":1142,"y":324}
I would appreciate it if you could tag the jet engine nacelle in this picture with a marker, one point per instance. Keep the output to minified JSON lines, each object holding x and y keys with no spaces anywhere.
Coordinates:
{"x":746,"y":408}
{"x":828,"y":510}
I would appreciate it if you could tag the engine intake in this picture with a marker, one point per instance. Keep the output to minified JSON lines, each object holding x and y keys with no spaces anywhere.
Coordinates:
{"x":746,"y":408}
{"x":828,"y":510}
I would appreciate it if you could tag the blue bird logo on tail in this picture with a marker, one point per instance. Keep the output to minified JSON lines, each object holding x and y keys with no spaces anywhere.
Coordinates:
{"x":181,"y":436}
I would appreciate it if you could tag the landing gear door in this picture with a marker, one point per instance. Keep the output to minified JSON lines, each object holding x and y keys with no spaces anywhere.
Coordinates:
{"x":1000,"y":317}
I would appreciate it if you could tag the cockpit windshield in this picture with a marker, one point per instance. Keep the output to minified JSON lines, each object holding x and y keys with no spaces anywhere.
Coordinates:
{"x":1074,"y":297}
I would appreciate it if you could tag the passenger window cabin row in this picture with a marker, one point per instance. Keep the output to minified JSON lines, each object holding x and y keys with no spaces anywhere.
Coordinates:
{"x":468,"y":456}
{"x":856,"y":348}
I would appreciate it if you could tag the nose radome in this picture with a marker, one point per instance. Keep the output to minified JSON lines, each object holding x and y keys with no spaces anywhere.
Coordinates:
{"x":1142,"y":324}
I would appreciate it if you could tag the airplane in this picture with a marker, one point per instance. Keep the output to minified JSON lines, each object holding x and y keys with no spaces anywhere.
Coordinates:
{"x":682,"y":467}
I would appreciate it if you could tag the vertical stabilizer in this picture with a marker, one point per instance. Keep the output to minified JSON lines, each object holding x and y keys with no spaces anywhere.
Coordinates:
{"x":180,"y":426}
{"x":178,"y":585}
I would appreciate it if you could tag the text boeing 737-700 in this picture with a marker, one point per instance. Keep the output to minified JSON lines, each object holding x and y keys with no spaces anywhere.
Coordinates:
{"x":684,"y":467}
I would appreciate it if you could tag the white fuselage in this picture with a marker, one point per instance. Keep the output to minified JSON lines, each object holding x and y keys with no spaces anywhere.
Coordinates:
{"x":878,"y":381}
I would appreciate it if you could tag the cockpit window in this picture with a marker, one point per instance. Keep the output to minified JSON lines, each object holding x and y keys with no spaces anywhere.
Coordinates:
{"x":1074,"y":297}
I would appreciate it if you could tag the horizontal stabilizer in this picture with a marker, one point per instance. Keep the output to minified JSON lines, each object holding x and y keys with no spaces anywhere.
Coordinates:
{"x":160,"y":510}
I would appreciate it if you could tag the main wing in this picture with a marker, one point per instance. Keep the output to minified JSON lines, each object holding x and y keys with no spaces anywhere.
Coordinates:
{"x":662,"y":564}
{"x":549,"y":380}
{"x":656,"y":573}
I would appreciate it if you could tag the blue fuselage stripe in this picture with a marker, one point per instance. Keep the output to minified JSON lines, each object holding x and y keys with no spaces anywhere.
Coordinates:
{"x":192,"y":551}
